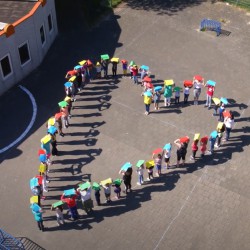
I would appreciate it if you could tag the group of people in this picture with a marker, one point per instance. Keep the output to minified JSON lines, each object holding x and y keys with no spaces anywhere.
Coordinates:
{"x":76,"y":79}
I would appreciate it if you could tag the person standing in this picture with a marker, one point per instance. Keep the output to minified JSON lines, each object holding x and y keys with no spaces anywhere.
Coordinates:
{"x":167,"y":95}
{"x":229,"y":123}
{"x":197,"y":89}
{"x":210,"y":93}
{"x":86,"y":199}
{"x":37,"y":212}
{"x":127,"y":177}
{"x":71,"y":202}
{"x":114,"y":69}
{"x":181,"y":151}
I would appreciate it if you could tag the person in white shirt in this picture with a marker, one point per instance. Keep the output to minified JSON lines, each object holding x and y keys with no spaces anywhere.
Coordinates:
{"x":197,"y":89}
{"x":229,"y":123}
{"x":86,"y":199}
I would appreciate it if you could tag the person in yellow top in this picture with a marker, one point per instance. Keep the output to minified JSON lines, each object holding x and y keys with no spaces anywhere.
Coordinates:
{"x":147,"y":101}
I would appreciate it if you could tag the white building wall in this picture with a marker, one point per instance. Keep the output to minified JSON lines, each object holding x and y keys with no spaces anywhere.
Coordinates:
{"x":28,"y":31}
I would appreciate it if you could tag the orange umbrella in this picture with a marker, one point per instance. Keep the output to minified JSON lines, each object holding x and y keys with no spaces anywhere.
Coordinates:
{"x":226,"y":113}
{"x":149,"y":85}
{"x":184,"y":139}
{"x":188,"y":83}
{"x":157,"y":151}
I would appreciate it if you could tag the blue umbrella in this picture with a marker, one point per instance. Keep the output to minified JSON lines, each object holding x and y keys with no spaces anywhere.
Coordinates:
{"x":211,"y":83}
{"x":148,"y":93}
{"x":35,"y":207}
{"x":77,"y":67}
{"x":34,"y":183}
{"x":158,"y":88}
{"x":69,"y":192}
{"x":145,"y":67}
{"x":167,"y":146}
{"x":126,"y":166}
{"x":42,"y":158}
{"x":52,"y":130}
{"x":68,"y":84}
{"x":214,"y":134}
{"x":224,"y":100}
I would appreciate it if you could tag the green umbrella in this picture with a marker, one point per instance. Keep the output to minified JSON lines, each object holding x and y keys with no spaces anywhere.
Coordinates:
{"x":117,"y":182}
{"x":177,"y":89}
{"x":63,"y":104}
{"x":96,"y":186}
{"x":132,"y":63}
{"x":85,"y":185}
{"x":105,"y":57}
{"x":57,"y":204}
{"x":139,"y":163}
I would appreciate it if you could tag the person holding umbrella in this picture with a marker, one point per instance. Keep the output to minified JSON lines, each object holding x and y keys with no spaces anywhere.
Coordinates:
{"x":210,"y":92}
{"x":147,"y":101}
{"x":65,"y":113}
{"x":198,"y":82}
{"x":181,"y":151}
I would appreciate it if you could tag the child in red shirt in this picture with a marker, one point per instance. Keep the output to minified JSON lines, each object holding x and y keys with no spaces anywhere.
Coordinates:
{"x":194,"y":149}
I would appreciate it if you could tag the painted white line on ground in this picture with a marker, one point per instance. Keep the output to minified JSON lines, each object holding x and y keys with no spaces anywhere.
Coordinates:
{"x":30,"y":124}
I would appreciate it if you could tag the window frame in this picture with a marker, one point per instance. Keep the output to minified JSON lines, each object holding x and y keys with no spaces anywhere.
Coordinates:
{"x":22,"y":44}
{"x":45,"y":40}
{"x":52,"y":24}
{"x":11,"y":73}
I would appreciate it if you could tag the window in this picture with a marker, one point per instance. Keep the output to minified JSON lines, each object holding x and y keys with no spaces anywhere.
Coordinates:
{"x":5,"y":66}
{"x":24,"y":53}
{"x":50,"y":22}
{"x":42,"y":34}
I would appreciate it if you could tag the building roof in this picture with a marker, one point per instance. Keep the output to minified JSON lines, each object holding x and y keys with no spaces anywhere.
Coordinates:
{"x":12,"y":11}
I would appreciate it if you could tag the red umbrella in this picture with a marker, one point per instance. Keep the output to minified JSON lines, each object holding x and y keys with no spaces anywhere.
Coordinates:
{"x":58,"y":115}
{"x":226,"y":113}
{"x":147,"y":79}
{"x":89,"y":63}
{"x":204,"y":139}
{"x":188,"y":83}
{"x":157,"y":151}
{"x":41,"y":152}
{"x":149,"y":85}
{"x":40,"y":179}
{"x":184,"y":139}
{"x":124,"y":61}
{"x":198,"y":78}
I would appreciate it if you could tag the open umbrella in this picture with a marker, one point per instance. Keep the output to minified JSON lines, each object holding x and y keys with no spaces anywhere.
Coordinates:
{"x":96,"y":186}
{"x":34,"y":182}
{"x":168,"y":146}
{"x":34,"y":207}
{"x":85,"y":185}
{"x":69,"y":192}
{"x":148,"y":93}
{"x":105,"y":57}
{"x":184,"y":139}
{"x":34,"y":199}
{"x":124,"y":61}
{"x":72,"y":79}
{"x":82,"y":62}
{"x":157,"y":151}
{"x":41,"y":152}
{"x":63,"y":104}
{"x":169,"y":82}
{"x":117,"y":182}
{"x":107,"y":181}
{"x":68,"y":84}
{"x":158,"y":88}
{"x":226,"y":113}
{"x":149,"y":85}
{"x":204,"y":139}
{"x":145,"y":67}
{"x":115,"y":59}
{"x":58,"y":115}
{"x":198,"y":78}
{"x":77,"y":67}
{"x":197,"y":136}
{"x":43,"y":158}
{"x":147,"y":79}
{"x":177,"y":89}
{"x":126,"y":166}
{"x":132,"y":63}
{"x":139,"y":163}
{"x":211,"y":83}
{"x":57,"y":204}
{"x":188,"y":83}
{"x":46,"y":139}
{"x":52,"y":130}
{"x":224,"y":100}
{"x":214,"y":134}
{"x":150,"y":164}
{"x":216,"y":100}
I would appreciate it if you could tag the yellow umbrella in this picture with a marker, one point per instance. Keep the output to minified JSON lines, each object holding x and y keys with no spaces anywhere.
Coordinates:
{"x":51,"y":121}
{"x":34,"y":199}
{"x":216,"y":100}
{"x":82,"y":62}
{"x":107,"y":181}
{"x":115,"y":59}
{"x":169,"y":82}
{"x":72,"y":78}
{"x":197,"y":136}
{"x":149,"y":163}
